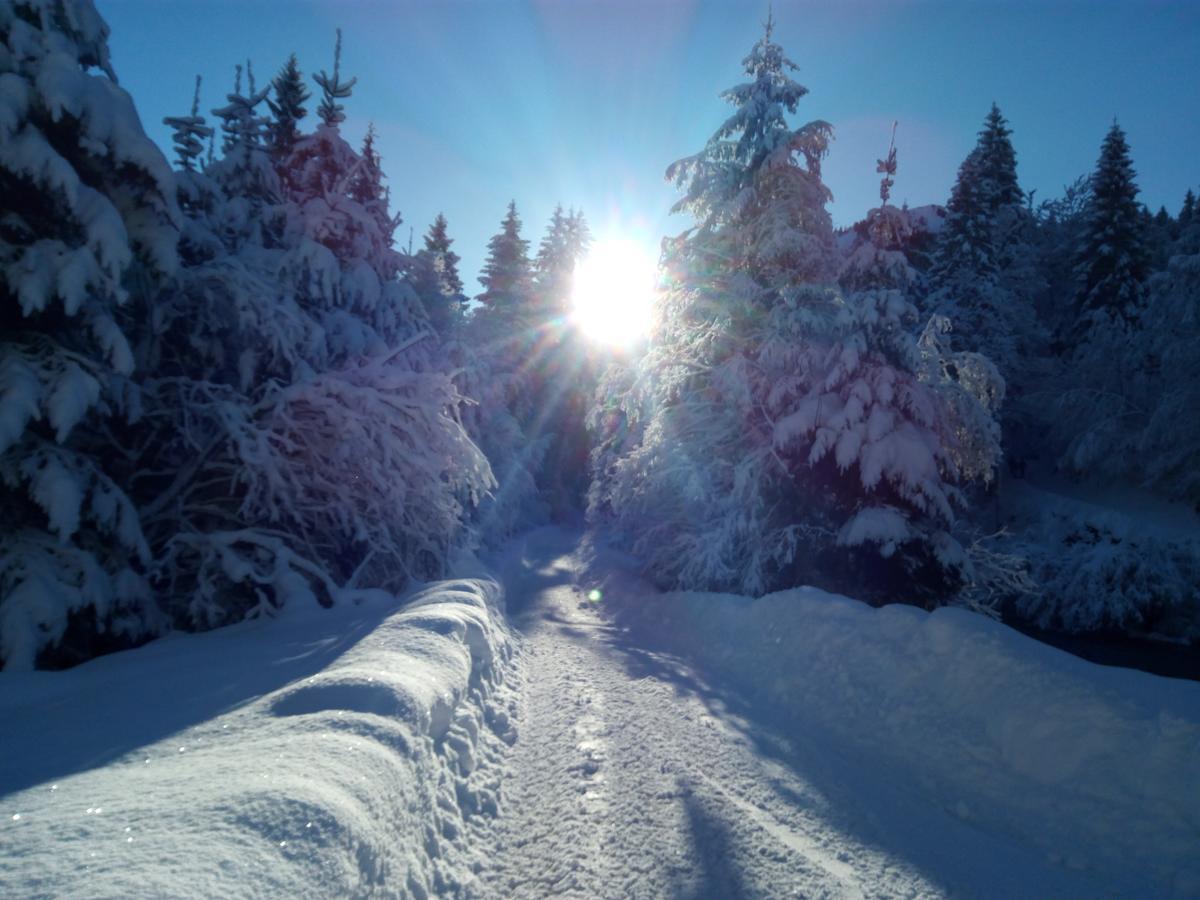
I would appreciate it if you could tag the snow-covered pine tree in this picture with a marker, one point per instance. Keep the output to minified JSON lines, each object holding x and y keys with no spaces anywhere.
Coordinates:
{"x":433,"y":273}
{"x":1188,"y":210}
{"x":748,"y":175}
{"x":88,"y":201}
{"x":334,"y":89}
{"x":777,"y":431}
{"x":877,"y":259}
{"x":245,"y":171}
{"x":1105,"y":392}
{"x":510,"y":354}
{"x":985,"y":280}
{"x":998,"y":164}
{"x":306,"y":436}
{"x":553,"y":268}
{"x":564,"y":376}
{"x":287,"y":109}
{"x":1168,"y":447}
{"x":507,"y":276}
{"x":1111,"y":256}
{"x":190,"y":134}
{"x":437,"y":244}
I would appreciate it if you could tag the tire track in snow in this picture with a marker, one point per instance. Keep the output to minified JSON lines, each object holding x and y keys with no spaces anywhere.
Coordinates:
{"x":630,"y":778}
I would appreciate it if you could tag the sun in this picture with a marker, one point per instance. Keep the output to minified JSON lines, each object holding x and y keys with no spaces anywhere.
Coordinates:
{"x":612,"y":296}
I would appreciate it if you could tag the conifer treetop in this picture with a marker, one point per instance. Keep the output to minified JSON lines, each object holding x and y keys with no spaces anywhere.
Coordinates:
{"x":1111,"y":262}
{"x":190,"y":133}
{"x":506,"y":275}
{"x":437,"y":244}
{"x":333,"y":88}
{"x":761,"y":176}
{"x":287,"y":107}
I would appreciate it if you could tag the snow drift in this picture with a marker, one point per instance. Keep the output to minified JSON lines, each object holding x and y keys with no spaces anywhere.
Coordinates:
{"x":338,"y":753}
{"x":1097,"y":768}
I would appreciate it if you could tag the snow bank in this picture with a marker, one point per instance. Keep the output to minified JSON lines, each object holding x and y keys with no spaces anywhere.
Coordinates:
{"x":1096,"y":768}
{"x":336,"y":753}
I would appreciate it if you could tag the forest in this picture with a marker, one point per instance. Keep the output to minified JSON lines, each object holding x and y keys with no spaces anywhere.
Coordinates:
{"x":227,"y":387}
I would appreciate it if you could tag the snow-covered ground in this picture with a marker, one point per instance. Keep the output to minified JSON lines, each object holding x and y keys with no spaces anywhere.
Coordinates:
{"x":330,"y":754}
{"x":634,"y":745}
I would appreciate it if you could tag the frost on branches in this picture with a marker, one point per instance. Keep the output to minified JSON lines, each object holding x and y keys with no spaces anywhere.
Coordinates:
{"x":306,"y":437}
{"x":87,"y":200}
{"x":275,"y":419}
{"x":778,"y":430}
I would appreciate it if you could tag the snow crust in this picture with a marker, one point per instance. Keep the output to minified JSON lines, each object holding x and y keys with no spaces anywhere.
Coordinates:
{"x":335,"y":753}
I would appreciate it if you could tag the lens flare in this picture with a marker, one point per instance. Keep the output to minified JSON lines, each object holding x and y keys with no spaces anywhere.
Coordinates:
{"x":613,"y":292}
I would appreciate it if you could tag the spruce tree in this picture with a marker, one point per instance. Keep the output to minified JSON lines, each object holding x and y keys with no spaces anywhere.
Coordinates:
{"x":985,"y":204}
{"x":763,"y":177}
{"x":433,"y":273}
{"x":553,"y":268}
{"x":437,"y":244}
{"x":778,"y":431}
{"x":507,"y":276}
{"x":998,"y":164}
{"x":287,"y":108}
{"x":878,"y":258}
{"x":1111,"y":263}
{"x":334,"y":89}
{"x":190,"y":134}
{"x":984,"y":278}
{"x":1188,"y":210}
{"x":89,"y":212}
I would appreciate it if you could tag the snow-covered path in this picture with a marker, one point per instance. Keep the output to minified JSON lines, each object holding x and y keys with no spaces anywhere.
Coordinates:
{"x":807,"y":745}
{"x":632,"y":777}
{"x":654,"y":745}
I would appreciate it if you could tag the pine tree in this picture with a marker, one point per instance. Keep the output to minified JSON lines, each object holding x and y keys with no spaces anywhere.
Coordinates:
{"x":998,"y":164}
{"x":579,"y":235}
{"x":984,"y":279}
{"x":507,"y":276}
{"x":553,"y":268}
{"x":367,"y":188}
{"x":1111,"y":265}
{"x":1188,"y":210}
{"x":88,"y":210}
{"x":433,"y":273}
{"x":190,"y":134}
{"x":334,"y":89}
{"x":878,"y":258}
{"x":245,"y":170}
{"x":437,"y":244}
{"x":287,"y":109}
{"x":761,"y":176}
{"x":966,"y":243}
{"x":777,"y":431}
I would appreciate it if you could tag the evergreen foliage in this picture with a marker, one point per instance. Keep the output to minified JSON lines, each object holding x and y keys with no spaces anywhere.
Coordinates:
{"x":507,"y":276}
{"x":878,"y":259}
{"x":287,"y":108}
{"x":777,"y":430}
{"x":434,"y":274}
{"x":333,"y":89}
{"x":437,"y":243}
{"x":1111,"y":257}
{"x":190,"y":134}
{"x":88,"y":202}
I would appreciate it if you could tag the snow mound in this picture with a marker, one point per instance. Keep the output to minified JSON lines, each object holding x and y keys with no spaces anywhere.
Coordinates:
{"x":339,"y":753}
{"x":1095,"y":768}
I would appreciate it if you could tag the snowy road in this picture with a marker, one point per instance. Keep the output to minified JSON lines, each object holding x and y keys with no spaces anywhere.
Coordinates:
{"x":633,"y":777}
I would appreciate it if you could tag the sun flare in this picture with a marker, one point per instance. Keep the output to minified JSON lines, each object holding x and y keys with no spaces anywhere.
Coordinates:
{"x":613,"y":292}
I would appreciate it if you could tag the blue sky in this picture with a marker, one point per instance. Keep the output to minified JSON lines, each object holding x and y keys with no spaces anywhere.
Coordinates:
{"x":586,"y":103}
